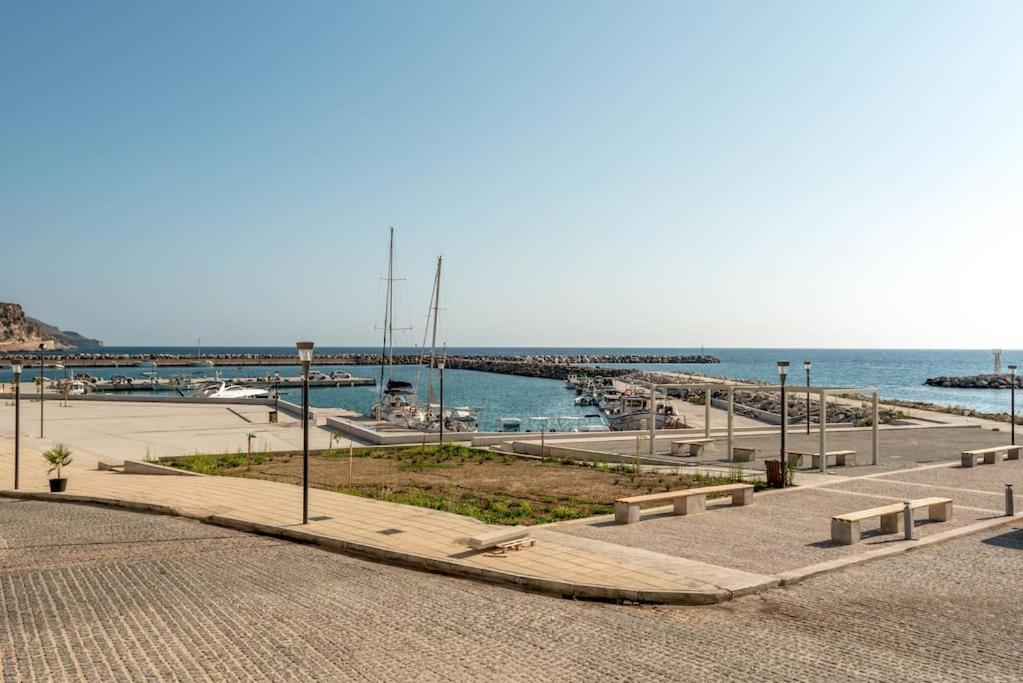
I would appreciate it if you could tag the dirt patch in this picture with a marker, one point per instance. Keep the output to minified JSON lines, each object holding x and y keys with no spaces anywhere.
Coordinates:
{"x":495,"y":488}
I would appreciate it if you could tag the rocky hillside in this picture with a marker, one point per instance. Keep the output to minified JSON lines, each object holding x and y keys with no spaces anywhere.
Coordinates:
{"x":65,"y":337}
{"x":20,"y":332}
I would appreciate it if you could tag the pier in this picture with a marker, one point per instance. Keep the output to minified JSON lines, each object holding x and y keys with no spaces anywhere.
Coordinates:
{"x":106,"y":386}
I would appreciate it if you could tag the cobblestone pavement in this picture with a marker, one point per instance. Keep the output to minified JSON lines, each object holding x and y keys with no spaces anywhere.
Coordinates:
{"x":101,"y":594}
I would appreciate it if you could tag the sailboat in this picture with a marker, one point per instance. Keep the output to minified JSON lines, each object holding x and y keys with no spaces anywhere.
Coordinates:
{"x":398,"y":399}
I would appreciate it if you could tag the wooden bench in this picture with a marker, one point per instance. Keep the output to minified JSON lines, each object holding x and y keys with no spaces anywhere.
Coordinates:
{"x":695,"y":446}
{"x":687,"y":501}
{"x":990,"y":456}
{"x":502,"y":540}
{"x":744,"y":453}
{"x":845,"y":529}
{"x":842,"y":458}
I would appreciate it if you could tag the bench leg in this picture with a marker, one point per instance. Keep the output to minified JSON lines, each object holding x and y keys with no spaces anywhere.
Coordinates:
{"x":815,"y":462}
{"x":626,"y":513}
{"x":690,"y":505}
{"x":676,"y":449}
{"x":940,"y":512}
{"x":795,"y":461}
{"x":890,"y":523}
{"x":743,"y":455}
{"x":695,"y":448}
{"x":1012,"y":454}
{"x":743,"y":497}
{"x":969,"y":460}
{"x":992,"y":458}
{"x":845,"y":460}
{"x":845,"y":533}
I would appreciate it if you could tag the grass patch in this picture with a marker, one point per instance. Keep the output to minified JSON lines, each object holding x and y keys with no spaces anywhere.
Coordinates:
{"x":495,"y":488}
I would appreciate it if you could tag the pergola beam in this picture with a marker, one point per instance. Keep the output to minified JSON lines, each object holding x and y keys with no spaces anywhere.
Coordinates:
{"x":731,"y":388}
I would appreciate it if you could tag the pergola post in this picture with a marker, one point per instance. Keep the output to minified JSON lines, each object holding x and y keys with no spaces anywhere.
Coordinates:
{"x":653,"y":415}
{"x":706,"y":413}
{"x":731,"y":412}
{"x":824,"y":431}
{"x":873,"y":443}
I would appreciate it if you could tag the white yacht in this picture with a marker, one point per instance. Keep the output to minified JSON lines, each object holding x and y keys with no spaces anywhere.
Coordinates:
{"x":225,"y":390}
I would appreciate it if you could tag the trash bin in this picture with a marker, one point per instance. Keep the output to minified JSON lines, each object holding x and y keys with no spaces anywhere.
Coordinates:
{"x":273,"y":417}
{"x":775,"y":473}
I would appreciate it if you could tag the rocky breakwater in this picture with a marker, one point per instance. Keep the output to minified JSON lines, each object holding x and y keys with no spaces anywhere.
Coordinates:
{"x":530,"y":368}
{"x":593,"y":358}
{"x":974,"y":382}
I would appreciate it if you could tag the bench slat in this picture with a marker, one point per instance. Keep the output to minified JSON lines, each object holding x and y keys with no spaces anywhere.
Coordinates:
{"x":888,"y":509}
{"x":993,"y":449}
{"x":682,"y":493}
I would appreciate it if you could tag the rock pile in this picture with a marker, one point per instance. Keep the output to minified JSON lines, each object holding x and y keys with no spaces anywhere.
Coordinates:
{"x":974,"y":382}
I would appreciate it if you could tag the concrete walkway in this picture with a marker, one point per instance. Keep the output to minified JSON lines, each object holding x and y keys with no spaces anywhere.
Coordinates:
{"x":428,"y":539}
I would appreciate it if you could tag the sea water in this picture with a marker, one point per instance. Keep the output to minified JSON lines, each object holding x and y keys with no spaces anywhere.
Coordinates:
{"x":898,"y":374}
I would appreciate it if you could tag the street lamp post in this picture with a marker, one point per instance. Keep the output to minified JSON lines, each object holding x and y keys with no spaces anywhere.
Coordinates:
{"x":783,"y":371}
{"x":1012,"y":394}
{"x":42,"y":383}
{"x":440,"y":366}
{"x":806,"y":366}
{"x":305,"y":356}
{"x":16,"y":369}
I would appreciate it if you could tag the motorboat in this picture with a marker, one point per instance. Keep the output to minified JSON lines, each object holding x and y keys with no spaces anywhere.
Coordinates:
{"x":225,"y":390}
{"x":509,"y":424}
{"x":78,"y":388}
{"x":593,"y":423}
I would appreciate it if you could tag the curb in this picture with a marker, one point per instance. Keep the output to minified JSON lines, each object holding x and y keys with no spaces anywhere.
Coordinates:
{"x":795,"y":576}
{"x":534,"y":584}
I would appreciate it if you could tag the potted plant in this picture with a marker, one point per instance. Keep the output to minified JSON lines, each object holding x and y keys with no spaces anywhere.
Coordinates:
{"x":59,"y":456}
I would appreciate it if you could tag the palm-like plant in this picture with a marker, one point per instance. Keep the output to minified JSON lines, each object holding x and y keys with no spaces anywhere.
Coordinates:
{"x":59,"y":456}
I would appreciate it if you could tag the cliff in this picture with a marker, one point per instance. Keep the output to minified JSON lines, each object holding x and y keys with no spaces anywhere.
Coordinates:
{"x":18,"y":332}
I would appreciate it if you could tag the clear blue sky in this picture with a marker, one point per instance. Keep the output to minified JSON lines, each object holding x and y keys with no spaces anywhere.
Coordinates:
{"x":642,"y":174}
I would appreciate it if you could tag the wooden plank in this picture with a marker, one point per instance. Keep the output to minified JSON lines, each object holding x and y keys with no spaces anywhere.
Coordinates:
{"x":496,"y":538}
{"x":993,"y":449}
{"x":670,"y":495}
{"x":889,"y":509}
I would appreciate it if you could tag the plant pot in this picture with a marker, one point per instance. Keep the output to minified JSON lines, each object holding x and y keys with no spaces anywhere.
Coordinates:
{"x":58,"y":485}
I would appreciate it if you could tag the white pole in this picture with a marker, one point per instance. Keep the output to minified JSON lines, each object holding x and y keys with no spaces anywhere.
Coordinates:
{"x":731,"y":409}
{"x":824,"y":430}
{"x":653,"y":415}
{"x":873,"y":444}
{"x":706,"y":414}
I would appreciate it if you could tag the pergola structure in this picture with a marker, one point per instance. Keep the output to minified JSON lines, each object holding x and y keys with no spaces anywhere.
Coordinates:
{"x":821,"y":392}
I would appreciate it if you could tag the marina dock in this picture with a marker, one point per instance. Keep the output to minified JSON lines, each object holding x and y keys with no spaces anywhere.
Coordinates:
{"x":106,"y":386}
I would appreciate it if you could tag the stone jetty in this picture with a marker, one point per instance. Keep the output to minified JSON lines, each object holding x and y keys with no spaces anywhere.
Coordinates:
{"x":974,"y":382}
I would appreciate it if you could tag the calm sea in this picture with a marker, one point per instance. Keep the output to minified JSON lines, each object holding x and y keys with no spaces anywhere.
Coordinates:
{"x":896,"y":373}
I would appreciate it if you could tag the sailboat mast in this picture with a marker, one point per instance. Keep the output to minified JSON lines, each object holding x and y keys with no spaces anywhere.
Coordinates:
{"x":387,"y":309}
{"x":435,"y":306}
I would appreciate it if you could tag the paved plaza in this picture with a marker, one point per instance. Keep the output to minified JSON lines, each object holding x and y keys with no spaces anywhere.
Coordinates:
{"x":89,"y":593}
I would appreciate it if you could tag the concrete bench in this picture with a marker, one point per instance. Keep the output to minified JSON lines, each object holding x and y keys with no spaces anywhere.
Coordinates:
{"x":744,"y":453}
{"x":845,"y":529}
{"x":695,"y":446}
{"x":686,"y":501}
{"x":990,"y":456}
{"x":842,"y":458}
{"x":502,"y":539}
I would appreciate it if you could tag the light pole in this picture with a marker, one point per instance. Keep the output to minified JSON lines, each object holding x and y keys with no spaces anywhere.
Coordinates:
{"x":440,"y":366}
{"x":42,"y":382}
{"x":1012,"y":394}
{"x":16,"y":369}
{"x":806,"y":366}
{"x":305,"y":356}
{"x":783,"y":371}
